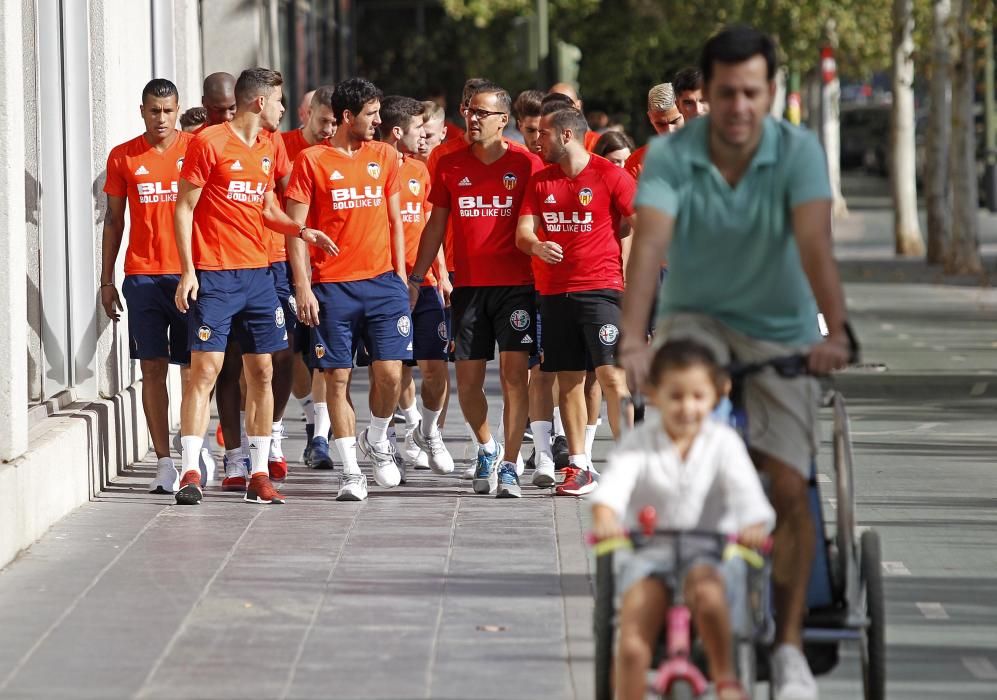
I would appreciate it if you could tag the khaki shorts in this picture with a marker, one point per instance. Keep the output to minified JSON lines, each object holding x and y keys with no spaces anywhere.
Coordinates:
{"x":782,"y":413}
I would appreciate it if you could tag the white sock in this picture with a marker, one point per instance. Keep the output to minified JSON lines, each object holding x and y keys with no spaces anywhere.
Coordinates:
{"x":490,"y":446}
{"x":430,"y":421}
{"x":190,"y":447}
{"x":347,"y":448}
{"x":259,"y":453}
{"x":276,"y":434}
{"x":235,"y":455}
{"x":243,"y":436}
{"x":411,"y":415}
{"x":590,"y":439}
{"x":580,"y":461}
{"x":323,"y":423}
{"x":308,"y":406}
{"x":378,"y":430}
{"x":558,"y":425}
{"x":541,"y":435}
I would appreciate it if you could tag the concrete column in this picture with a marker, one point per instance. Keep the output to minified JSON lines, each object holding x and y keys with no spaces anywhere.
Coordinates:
{"x":13,"y":288}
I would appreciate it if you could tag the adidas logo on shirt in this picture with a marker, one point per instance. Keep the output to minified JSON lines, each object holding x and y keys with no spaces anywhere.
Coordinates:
{"x":550,"y":199}
{"x":336,"y":175}
{"x":236,"y":166}
{"x":141,"y":170}
{"x":466,"y":182}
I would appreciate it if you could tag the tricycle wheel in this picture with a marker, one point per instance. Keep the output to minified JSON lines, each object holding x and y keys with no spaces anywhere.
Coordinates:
{"x":681,"y":690}
{"x":874,"y":640}
{"x":746,"y":665}
{"x":603,"y":626}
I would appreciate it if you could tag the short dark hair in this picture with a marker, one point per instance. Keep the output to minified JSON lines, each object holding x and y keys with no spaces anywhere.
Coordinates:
{"x":397,"y":110}
{"x":501,"y":96}
{"x":683,"y":354}
{"x":570,"y":118}
{"x":352,"y":94}
{"x":612,"y":141}
{"x":472,"y":86}
{"x":193,"y":117}
{"x":254,"y":82}
{"x":554,"y":101}
{"x":527,"y":104}
{"x":737,"y":44}
{"x":688,"y":79}
{"x":322,"y":96}
{"x":160,"y":88}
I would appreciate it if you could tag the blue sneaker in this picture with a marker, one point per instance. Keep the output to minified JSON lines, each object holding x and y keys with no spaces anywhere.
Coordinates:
{"x":309,"y":434}
{"x":318,"y":457}
{"x":508,"y":482}
{"x":486,"y":472}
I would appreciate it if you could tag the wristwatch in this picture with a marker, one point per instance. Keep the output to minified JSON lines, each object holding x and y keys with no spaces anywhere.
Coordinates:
{"x":416,"y":280}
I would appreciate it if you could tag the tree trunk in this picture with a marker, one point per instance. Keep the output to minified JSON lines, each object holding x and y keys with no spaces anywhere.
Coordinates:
{"x":964,"y":251}
{"x":903,"y":175}
{"x":936,"y":170}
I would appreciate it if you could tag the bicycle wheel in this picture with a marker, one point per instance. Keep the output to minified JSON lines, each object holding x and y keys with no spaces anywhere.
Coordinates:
{"x":681,"y":690}
{"x":603,"y":626}
{"x":873,"y":652}
{"x":845,"y":512}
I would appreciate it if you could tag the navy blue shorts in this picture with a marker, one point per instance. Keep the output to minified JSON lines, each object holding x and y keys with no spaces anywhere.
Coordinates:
{"x":375,"y":311}
{"x":238,"y":303}
{"x":430,"y":341}
{"x":285,"y":295}
{"x":156,"y":327}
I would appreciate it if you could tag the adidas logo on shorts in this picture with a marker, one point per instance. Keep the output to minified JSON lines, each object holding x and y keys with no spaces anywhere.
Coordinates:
{"x":336,"y":175}
{"x":236,"y":166}
{"x":526,"y":339}
{"x":550,"y":199}
{"x":141,"y":170}
{"x":466,"y":182}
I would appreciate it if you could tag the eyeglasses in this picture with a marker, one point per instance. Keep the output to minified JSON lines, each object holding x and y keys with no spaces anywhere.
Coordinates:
{"x":480,"y":114}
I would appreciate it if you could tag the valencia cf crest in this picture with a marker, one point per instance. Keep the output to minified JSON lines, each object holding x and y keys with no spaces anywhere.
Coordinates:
{"x":266,"y":163}
{"x":374,"y":170}
{"x":204,"y":334}
{"x":585,"y":196}
{"x":319,"y":351}
{"x":414,"y":187}
{"x":509,"y":180}
{"x":179,"y":164}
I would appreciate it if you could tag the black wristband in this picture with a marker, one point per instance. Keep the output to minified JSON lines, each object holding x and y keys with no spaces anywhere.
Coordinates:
{"x":417,"y":280}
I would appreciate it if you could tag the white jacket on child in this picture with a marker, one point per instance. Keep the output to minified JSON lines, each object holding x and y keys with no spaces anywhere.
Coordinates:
{"x":716,"y":488}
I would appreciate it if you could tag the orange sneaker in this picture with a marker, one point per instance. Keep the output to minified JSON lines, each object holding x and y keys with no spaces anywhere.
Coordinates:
{"x":260,"y":490}
{"x":190,"y":493}
{"x":219,"y":437}
{"x":278,"y":468}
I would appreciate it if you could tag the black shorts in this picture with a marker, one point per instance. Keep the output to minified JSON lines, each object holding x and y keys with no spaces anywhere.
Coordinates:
{"x":484,"y":316}
{"x":581,"y":330}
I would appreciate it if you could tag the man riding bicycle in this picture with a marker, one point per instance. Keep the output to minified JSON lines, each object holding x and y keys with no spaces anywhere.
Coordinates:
{"x":741,"y":205}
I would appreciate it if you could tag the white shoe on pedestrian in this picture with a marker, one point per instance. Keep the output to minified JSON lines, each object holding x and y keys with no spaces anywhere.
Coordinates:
{"x":167,"y":477}
{"x":543,"y":474}
{"x":437,"y":456}
{"x":352,"y":487}
{"x":791,"y":676}
{"x":382,"y":459}
{"x":520,"y":465}
{"x":207,"y":465}
{"x":413,"y":452}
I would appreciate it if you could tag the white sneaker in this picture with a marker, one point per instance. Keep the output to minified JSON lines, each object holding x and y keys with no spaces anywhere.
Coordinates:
{"x":167,"y":477}
{"x":543,"y":474}
{"x":352,"y":487}
{"x":438,"y":457}
{"x":207,"y":465}
{"x":791,"y":676}
{"x":520,"y":465}
{"x":414,"y":453}
{"x":399,"y":461}
{"x":469,"y":472}
{"x":382,"y":458}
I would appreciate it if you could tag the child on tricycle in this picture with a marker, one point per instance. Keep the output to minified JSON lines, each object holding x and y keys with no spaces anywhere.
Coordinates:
{"x":696,"y":474}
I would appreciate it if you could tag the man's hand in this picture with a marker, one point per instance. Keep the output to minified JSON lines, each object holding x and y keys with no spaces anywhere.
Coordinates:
{"x":829,"y":355}
{"x":304,"y":299}
{"x":111,"y":302}
{"x":634,"y":356}
{"x":319,"y":240}
{"x":413,"y":293}
{"x":753,"y":536}
{"x":548,"y":251}
{"x":446,"y":289}
{"x":186,"y":290}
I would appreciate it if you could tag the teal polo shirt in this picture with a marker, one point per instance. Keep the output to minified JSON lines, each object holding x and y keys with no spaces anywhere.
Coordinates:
{"x":733,"y":255}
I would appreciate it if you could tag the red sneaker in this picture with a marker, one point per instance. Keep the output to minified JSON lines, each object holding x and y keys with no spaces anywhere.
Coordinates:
{"x":577,"y":482}
{"x":190,"y":493}
{"x":260,"y":490}
{"x":278,"y":469}
{"x":219,"y":437}
{"x":236,"y":475}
